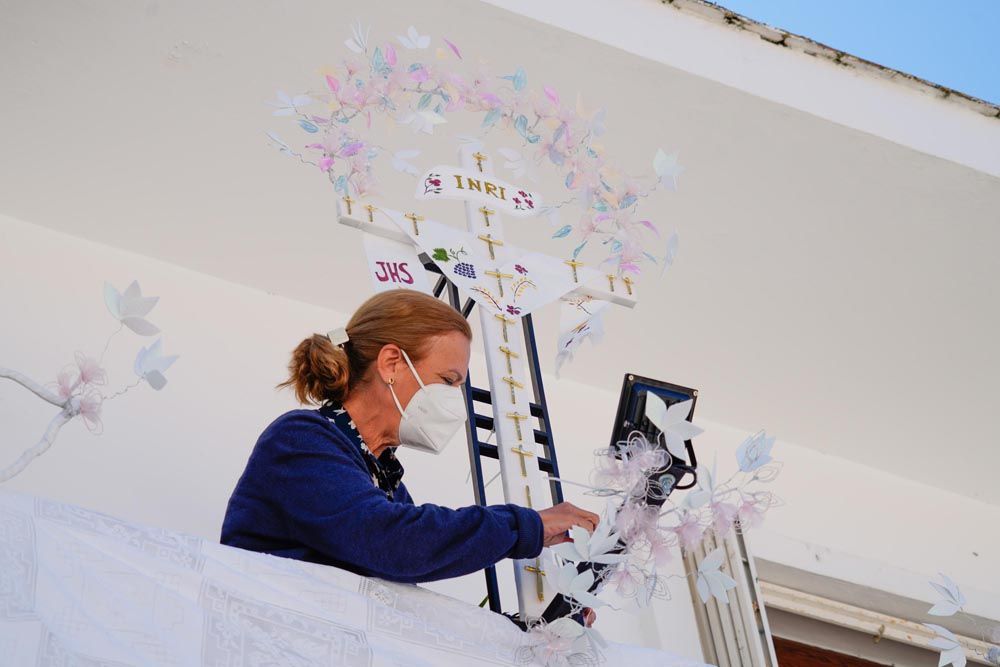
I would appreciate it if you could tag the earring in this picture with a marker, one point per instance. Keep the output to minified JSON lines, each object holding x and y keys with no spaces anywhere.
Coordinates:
{"x":391,"y":381}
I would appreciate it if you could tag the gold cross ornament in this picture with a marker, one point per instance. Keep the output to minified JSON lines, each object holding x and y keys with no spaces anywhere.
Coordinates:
{"x":524,"y":470}
{"x":611,"y":282}
{"x":518,"y":418}
{"x":486,"y":214}
{"x":414,"y":218}
{"x":628,"y":284}
{"x":512,"y":383}
{"x":573,"y":264}
{"x":508,"y":353}
{"x":371,"y":212}
{"x":479,"y":158}
{"x":499,"y":276}
{"x":504,"y":321}
{"x":348,"y":201}
{"x":490,"y":241}
{"x":539,"y":573}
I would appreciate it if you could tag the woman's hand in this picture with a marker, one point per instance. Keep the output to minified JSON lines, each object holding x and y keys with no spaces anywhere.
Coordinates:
{"x":559,"y":519}
{"x":589,"y":616}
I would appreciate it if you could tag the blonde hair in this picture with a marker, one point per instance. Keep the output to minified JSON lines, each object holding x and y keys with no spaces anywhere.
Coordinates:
{"x":321,"y":372}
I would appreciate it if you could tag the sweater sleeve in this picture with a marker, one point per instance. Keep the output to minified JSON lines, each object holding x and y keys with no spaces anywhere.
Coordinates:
{"x":331,"y":505}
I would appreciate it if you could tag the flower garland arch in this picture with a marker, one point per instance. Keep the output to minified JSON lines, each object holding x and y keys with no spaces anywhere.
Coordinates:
{"x":404,"y":80}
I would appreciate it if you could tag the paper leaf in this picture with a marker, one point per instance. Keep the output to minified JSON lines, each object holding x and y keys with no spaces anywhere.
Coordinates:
{"x":656,"y":411}
{"x":755,"y":451}
{"x":141,"y":326}
{"x":156,"y":380}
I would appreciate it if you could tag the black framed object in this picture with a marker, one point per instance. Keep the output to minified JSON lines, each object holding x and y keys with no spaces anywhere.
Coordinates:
{"x":631,"y":417}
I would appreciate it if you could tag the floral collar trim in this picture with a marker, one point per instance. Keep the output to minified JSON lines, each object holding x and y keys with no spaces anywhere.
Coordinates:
{"x":386,"y":470}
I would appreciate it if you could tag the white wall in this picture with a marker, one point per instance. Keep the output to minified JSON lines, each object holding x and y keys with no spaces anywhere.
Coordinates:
{"x":172,"y":459}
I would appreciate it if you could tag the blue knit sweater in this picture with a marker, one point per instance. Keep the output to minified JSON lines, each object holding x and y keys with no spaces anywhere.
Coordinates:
{"x":307,"y":493}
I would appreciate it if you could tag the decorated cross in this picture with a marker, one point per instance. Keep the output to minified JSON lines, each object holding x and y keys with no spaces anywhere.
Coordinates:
{"x":507,"y":283}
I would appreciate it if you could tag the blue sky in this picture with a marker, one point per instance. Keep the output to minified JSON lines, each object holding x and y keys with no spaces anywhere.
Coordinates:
{"x":951,"y":42}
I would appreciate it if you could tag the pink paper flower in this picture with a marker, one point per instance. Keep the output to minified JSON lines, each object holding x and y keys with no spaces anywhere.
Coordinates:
{"x":661,"y":550}
{"x":90,"y":371}
{"x":689,"y":532}
{"x":724,"y":515}
{"x":66,"y":382}
{"x":90,"y":411}
{"x":752,"y":509}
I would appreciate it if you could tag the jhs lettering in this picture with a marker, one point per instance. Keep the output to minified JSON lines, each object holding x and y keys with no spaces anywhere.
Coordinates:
{"x":396,"y":272}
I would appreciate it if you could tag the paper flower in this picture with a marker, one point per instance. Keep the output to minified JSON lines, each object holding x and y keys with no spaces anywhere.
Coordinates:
{"x":66,"y":382}
{"x":724,"y":516}
{"x":90,"y":411}
{"x":130,"y":308}
{"x":414,"y":40}
{"x":91,"y":372}
{"x":667,"y":169}
{"x":358,"y":42}
{"x":563,"y":643}
{"x":576,"y":585}
{"x":755,"y":451}
{"x":946,"y":642}
{"x":150,"y":364}
{"x":952,"y":598}
{"x":672,"y":422}
{"x":711,"y":580}
{"x":689,"y":531}
{"x":706,"y":488}
{"x":422,"y":121}
{"x":587,"y":548}
{"x":518,"y":165}
{"x":286,"y":105}
{"x":399,"y":162}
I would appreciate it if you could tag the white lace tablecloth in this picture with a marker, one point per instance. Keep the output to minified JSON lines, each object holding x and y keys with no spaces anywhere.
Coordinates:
{"x":83,"y":589}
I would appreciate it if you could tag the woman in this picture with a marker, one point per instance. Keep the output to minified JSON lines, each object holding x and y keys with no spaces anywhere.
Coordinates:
{"x":325,"y":485}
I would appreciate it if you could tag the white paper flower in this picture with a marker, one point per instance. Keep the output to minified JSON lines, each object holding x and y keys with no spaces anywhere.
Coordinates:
{"x":130,"y":308}
{"x":946,"y":642}
{"x":151,"y":364}
{"x":587,"y":548}
{"x":577,"y":585}
{"x":952,"y":598}
{"x":755,"y":451}
{"x":518,"y":165}
{"x":706,"y":488}
{"x":667,"y":169}
{"x":672,"y":422}
{"x":421,"y":121}
{"x":286,"y":105}
{"x":414,"y":40}
{"x":711,"y":580}
{"x":399,"y":162}
{"x":359,"y":38}
{"x":562,"y":643}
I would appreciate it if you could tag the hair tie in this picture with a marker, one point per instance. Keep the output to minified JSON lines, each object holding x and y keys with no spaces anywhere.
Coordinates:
{"x":338,"y":336}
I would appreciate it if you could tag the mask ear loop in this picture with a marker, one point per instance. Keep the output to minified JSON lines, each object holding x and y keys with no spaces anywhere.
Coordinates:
{"x":392,"y":381}
{"x":412,"y":369}
{"x":395,"y":400}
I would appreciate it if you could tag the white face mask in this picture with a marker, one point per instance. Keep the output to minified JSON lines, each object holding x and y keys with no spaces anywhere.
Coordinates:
{"x":433,"y":415}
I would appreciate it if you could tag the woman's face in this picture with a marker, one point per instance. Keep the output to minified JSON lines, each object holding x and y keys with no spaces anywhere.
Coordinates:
{"x":445,"y":361}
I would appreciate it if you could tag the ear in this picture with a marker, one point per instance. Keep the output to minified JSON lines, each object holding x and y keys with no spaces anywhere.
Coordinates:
{"x":389,"y":358}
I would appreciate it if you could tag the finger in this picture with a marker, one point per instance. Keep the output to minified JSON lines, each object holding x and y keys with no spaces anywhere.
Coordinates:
{"x":588,"y":519}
